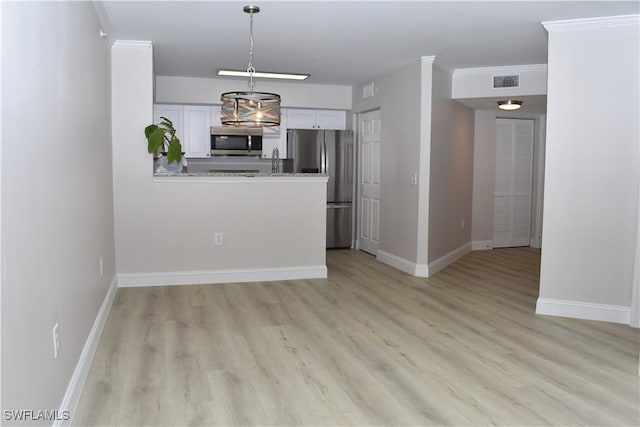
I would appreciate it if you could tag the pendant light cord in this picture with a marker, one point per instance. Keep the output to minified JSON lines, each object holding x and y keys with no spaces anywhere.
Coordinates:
{"x":250,"y":68}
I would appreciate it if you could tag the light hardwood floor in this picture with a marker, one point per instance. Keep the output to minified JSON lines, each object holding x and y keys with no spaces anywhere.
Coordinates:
{"x":367,"y":346}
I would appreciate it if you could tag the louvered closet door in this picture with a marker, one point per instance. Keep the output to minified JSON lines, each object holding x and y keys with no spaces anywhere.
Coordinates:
{"x":513,"y":180}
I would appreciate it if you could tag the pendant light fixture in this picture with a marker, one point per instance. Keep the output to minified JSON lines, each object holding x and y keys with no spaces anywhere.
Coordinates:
{"x":509,"y":105}
{"x":250,"y":109}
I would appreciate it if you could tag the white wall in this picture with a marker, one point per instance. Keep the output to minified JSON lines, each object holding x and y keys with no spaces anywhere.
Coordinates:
{"x":478,"y":82}
{"x":425,"y":133}
{"x":171,"y":233}
{"x":422,"y":228}
{"x":191,"y":90}
{"x":484,"y":163}
{"x":57,"y":211}
{"x":591,"y":182}
{"x":399,"y":96}
{"x":1,"y":406}
{"x":451,"y":171}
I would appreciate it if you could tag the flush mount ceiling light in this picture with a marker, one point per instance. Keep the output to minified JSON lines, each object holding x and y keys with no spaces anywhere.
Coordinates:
{"x":509,"y":105}
{"x":250,"y":109}
{"x":263,"y":74}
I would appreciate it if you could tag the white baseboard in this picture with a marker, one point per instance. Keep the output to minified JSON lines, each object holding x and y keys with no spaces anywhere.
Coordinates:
{"x":481,"y":245}
{"x":221,"y":276}
{"x":74,"y":389}
{"x":584,"y":310}
{"x":448,"y":258}
{"x":409,"y":267}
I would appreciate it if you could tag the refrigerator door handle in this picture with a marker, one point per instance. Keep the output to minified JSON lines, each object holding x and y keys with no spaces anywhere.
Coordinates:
{"x":323,"y":157}
{"x":326,"y":158}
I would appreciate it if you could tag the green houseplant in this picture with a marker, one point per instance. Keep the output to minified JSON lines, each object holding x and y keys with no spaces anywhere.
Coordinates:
{"x":162,"y":139}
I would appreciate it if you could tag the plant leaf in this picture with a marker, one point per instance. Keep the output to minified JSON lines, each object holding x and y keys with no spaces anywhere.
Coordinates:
{"x":155,"y":140}
{"x":149,"y":130}
{"x":174,"y":152}
{"x":168,"y":124}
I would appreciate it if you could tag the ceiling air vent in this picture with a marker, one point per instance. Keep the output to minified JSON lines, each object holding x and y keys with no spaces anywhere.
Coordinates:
{"x":501,"y":82}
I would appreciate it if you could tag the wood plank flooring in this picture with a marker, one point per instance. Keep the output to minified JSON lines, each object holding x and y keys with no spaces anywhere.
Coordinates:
{"x":367,"y":346}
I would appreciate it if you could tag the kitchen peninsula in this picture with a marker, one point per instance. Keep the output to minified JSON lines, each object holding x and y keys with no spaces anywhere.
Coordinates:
{"x":215,"y":227}
{"x":182,"y":229}
{"x":230,"y":168}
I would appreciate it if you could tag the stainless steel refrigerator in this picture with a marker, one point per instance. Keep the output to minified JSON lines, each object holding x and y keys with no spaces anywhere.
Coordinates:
{"x":330,"y":152}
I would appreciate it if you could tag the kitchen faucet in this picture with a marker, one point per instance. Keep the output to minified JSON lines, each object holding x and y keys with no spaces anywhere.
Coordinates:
{"x":275,"y":160}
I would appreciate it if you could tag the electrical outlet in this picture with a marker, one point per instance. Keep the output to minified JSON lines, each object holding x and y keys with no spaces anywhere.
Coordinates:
{"x":101,"y":270}
{"x":56,"y":341}
{"x":218,"y":238}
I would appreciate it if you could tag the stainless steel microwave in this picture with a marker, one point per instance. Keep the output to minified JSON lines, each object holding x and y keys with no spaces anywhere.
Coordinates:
{"x":232,"y":141}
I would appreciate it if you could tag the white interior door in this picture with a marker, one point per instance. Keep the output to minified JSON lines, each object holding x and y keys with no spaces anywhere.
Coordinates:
{"x":369,"y":182}
{"x":513,"y":181}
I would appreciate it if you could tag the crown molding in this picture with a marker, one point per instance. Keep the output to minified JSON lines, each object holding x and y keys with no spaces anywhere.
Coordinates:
{"x":443,"y":66}
{"x":605,"y":21}
{"x":434,"y":61}
{"x":507,"y":69}
{"x":132,"y":44}
{"x":103,"y":18}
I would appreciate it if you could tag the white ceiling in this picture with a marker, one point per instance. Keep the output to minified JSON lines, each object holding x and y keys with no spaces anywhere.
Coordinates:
{"x":348,"y":42}
{"x":344,"y":42}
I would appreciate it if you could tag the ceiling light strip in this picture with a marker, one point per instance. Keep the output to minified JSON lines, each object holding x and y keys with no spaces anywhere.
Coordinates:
{"x":263,"y":74}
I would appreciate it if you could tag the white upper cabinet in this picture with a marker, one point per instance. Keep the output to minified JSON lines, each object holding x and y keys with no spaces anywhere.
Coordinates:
{"x":316,"y":119}
{"x":173,"y":113}
{"x":216,"y":115}
{"x":331,"y":119}
{"x":193,"y":126}
{"x":197,"y":134}
{"x":301,"y":119}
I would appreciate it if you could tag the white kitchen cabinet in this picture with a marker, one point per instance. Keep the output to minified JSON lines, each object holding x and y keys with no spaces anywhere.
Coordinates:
{"x":197,"y":135}
{"x":268,"y":144}
{"x":316,"y":119}
{"x":331,"y":119}
{"x":192,"y":125}
{"x":284,"y":125}
{"x":275,"y":136}
{"x":172,"y":112}
{"x":216,"y":115}
{"x":301,"y":119}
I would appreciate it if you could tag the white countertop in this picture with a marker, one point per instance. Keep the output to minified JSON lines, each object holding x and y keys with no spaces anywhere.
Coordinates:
{"x":238,"y":177}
